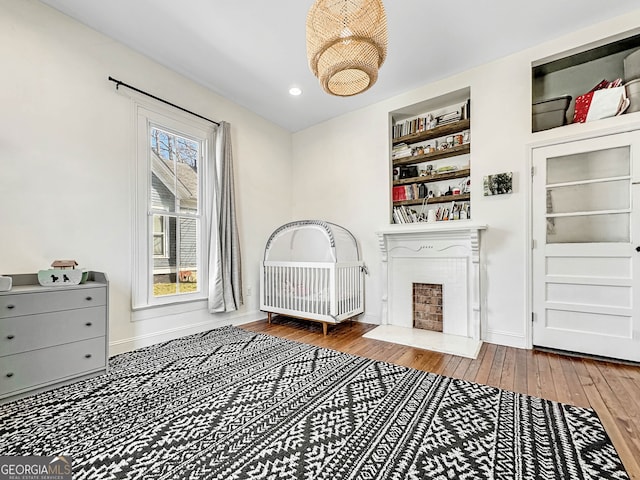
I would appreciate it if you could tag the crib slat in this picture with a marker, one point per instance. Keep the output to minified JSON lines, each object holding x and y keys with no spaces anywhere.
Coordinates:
{"x":316,"y":290}
{"x":307,"y":279}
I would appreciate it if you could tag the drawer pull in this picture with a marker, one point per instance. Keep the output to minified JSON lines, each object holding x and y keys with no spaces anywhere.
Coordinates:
{"x":89,"y":299}
{"x":11,"y":307}
{"x":88,"y":324}
{"x":10,"y":374}
{"x":88,"y":355}
{"x":10,"y":337}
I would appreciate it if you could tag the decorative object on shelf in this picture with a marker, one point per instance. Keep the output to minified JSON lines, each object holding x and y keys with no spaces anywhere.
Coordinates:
{"x":632,"y":65}
{"x":408,"y":172}
{"x":550,"y":113}
{"x":5,"y":283}
{"x":63,"y":264}
{"x":607,"y":99}
{"x":346,"y":44}
{"x":498,"y":184}
{"x":465,"y":185}
{"x":59,"y":277}
{"x":633,"y":94}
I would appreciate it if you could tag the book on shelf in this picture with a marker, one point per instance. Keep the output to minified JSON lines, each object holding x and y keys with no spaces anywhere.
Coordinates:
{"x":399,"y":193}
{"x":401,"y":150}
{"x":453,"y":211}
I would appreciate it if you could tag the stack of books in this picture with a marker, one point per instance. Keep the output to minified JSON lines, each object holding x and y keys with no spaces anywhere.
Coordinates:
{"x":401,"y":150}
{"x":405,"y":215}
{"x":450,"y":117}
{"x":405,"y":192}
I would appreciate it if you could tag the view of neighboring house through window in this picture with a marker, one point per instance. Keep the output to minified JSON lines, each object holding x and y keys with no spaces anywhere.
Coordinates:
{"x":160,"y":246}
{"x":174,"y":212}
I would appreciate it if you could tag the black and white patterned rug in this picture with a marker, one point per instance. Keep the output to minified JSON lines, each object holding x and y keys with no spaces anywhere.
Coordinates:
{"x":231,"y":404}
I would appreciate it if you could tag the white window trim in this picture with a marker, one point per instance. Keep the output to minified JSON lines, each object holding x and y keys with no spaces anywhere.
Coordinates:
{"x":147,"y":114}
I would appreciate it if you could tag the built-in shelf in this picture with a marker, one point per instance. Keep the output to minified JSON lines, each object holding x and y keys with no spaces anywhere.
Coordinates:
{"x":577,"y":71}
{"x":432,"y":133}
{"x":431,"y":157}
{"x":434,"y":178}
{"x":444,"y":148}
{"x":441,"y":199}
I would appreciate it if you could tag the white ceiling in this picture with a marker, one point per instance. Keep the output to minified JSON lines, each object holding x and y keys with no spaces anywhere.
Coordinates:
{"x":253,"y":51}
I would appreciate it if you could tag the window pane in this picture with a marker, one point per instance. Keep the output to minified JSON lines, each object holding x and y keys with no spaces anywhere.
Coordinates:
{"x":176,"y":273}
{"x":588,"y":228}
{"x":613,"y":162}
{"x":188,"y":255}
{"x":589,"y":197}
{"x":174,"y":172}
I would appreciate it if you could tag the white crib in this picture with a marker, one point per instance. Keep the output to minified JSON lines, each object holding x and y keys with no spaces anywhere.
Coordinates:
{"x":312,"y":270}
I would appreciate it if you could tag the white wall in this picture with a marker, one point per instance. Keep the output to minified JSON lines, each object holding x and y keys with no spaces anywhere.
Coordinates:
{"x":341,"y":172}
{"x":67,"y":154}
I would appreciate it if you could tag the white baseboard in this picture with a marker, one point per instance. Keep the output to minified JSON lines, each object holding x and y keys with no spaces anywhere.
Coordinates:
{"x":139,"y":341}
{"x":371,"y":319}
{"x":508,"y":339}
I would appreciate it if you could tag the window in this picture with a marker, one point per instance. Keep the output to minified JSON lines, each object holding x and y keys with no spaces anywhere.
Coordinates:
{"x":171,"y":240}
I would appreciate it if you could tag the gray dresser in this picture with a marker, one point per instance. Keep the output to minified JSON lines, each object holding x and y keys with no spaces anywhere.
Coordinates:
{"x":50,"y":336}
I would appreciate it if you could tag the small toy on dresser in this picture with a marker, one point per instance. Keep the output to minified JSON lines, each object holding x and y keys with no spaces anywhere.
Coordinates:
{"x":63,"y":273}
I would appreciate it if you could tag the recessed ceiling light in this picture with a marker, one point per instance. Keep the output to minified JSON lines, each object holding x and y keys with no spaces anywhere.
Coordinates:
{"x":295,"y":91}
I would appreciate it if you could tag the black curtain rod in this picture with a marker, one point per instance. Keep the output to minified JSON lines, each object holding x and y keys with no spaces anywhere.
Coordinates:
{"x":118,"y":83}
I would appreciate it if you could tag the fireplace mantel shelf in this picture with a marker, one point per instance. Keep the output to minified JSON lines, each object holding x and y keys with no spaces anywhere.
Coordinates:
{"x":452,"y":226}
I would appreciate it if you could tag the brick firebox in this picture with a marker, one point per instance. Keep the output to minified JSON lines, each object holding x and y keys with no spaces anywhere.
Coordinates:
{"x":427,"y":306}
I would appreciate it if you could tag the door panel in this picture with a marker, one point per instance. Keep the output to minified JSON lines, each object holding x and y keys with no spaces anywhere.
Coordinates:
{"x":585,"y":266}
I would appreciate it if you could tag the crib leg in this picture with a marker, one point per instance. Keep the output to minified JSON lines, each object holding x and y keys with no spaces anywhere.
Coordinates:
{"x":324,"y":328}
{"x":269,"y":318}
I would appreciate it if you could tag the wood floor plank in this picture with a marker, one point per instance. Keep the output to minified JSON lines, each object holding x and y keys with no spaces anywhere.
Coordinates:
{"x":462,"y":368}
{"x":487,"y":361}
{"x":577,"y":396}
{"x":520,"y":381}
{"x":612,"y":390}
{"x":497,"y":366}
{"x":547,"y":386}
{"x":533,"y":375}
{"x":559,"y":379}
{"x":475,"y":364}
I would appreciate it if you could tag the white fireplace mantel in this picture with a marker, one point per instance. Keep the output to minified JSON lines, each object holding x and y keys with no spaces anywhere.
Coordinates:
{"x":447,"y":253}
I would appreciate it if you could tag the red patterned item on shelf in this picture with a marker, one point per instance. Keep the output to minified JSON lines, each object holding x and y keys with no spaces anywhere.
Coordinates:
{"x":607,"y":99}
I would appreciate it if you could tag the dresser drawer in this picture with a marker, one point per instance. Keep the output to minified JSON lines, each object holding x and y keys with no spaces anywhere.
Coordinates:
{"x":20,"y":334}
{"x":51,"y":301}
{"x":48,"y":365}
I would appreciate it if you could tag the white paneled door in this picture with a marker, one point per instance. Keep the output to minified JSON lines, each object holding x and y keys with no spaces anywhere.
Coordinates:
{"x":586,"y":246}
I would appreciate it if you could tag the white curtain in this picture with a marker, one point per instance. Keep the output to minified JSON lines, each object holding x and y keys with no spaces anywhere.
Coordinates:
{"x":225,"y":273}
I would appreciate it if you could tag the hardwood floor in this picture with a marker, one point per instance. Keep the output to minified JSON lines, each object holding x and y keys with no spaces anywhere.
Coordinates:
{"x":611,"y":389}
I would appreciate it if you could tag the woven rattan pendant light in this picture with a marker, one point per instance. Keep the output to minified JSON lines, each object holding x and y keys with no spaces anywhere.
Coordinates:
{"x":346,"y":44}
